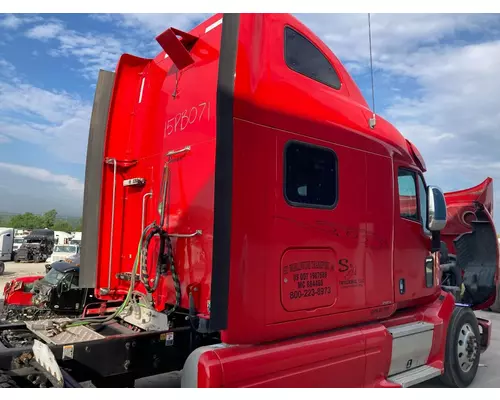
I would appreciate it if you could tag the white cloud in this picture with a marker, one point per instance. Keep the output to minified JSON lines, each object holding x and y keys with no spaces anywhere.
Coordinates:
{"x":135,"y":34}
{"x":45,"y":31}
{"x":458,"y":101}
{"x":152,"y":24}
{"x":26,"y":188}
{"x":392,"y":34}
{"x":56,"y":121}
{"x":6,"y":68}
{"x":10,"y":21}
{"x":93,"y":51}
{"x":158,"y":23}
{"x":14,"y":21}
{"x":65,"y":182}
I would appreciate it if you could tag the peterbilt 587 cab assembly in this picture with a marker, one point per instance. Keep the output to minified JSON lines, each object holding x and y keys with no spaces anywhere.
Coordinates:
{"x":261,"y":227}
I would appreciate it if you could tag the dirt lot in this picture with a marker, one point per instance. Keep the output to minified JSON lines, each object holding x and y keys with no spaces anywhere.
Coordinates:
{"x":488,"y":375}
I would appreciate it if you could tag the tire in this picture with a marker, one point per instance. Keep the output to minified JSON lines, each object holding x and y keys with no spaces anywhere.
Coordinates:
{"x":16,"y":258}
{"x":2,"y":267}
{"x":462,"y":352}
{"x":7,"y":382}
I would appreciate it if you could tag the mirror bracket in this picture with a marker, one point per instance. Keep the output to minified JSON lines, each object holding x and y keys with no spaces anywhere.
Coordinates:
{"x":436,"y":241}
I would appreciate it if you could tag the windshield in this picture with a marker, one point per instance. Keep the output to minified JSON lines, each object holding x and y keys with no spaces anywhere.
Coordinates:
{"x":65,"y":249}
{"x":53,"y":277}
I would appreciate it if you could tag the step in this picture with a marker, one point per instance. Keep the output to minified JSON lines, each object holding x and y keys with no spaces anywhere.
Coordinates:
{"x":74,"y":334}
{"x":415,"y":376}
{"x":411,"y":346}
{"x":410,"y":329}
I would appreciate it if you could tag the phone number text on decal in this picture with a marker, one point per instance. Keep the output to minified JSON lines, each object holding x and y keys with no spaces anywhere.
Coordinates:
{"x":321,"y":291}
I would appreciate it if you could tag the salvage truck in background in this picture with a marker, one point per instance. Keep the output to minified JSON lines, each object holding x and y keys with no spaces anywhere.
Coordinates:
{"x":36,"y":247}
{"x":259,"y":226}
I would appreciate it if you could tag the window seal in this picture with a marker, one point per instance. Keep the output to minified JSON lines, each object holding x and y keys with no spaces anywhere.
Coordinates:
{"x":336,"y":187}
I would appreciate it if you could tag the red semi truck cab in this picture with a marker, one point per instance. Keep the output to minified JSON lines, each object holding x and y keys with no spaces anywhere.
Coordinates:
{"x":241,"y":166}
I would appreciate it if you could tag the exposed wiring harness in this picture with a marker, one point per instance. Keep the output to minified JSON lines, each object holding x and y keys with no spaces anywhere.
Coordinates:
{"x":91,"y":320}
{"x":141,"y":258}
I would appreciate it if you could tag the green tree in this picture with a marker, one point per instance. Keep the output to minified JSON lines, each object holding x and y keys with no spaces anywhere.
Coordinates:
{"x":78,"y":225}
{"x":62,"y":225}
{"x":26,"y":221}
{"x":49,"y":219}
{"x":5,"y":221}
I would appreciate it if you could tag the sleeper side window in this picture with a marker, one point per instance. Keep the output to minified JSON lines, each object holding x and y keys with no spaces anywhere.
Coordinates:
{"x":302,"y":56}
{"x":408,"y":203}
{"x":310,"y":176}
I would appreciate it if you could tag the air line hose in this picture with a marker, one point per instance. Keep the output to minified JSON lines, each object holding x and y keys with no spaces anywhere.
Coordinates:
{"x":141,"y":258}
{"x":156,"y":230}
{"x":91,"y":320}
{"x":165,"y":241}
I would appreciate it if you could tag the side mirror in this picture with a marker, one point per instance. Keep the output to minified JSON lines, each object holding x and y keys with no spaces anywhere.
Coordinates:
{"x":436,"y":209}
{"x":63,"y":285}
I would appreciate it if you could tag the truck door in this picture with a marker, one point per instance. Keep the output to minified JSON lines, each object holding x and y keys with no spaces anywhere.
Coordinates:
{"x":413,"y":262}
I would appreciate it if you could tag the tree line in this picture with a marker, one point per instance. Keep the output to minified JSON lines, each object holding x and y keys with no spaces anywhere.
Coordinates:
{"x":47,"y":220}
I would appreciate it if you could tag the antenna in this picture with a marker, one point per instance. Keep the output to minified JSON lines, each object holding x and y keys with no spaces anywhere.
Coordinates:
{"x":373,"y":119}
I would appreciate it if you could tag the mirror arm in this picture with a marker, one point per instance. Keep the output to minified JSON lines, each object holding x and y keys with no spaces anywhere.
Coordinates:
{"x":436,"y":241}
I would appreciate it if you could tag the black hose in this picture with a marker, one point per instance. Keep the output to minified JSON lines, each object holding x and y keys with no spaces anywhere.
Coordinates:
{"x":156,"y":230}
{"x":175,"y":277}
{"x":165,"y":241}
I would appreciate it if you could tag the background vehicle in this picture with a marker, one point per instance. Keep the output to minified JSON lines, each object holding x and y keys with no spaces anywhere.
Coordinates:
{"x":76,"y":239}
{"x":62,"y":237}
{"x":36,"y":247}
{"x":18,"y":241}
{"x":6,"y":244}
{"x":261,"y":227}
{"x":62,"y":252}
{"x":55,"y":294}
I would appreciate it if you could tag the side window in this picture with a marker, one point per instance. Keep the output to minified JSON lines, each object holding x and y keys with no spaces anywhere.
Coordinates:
{"x":310,"y":175}
{"x":407,"y":194}
{"x":422,"y":193}
{"x":302,"y":56}
{"x":74,"y":281}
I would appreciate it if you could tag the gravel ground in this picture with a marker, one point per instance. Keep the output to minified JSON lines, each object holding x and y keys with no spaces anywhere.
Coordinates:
{"x":488,"y":375}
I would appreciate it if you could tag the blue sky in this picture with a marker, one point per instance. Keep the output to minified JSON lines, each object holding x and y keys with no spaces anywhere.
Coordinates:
{"x":436,"y":79}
